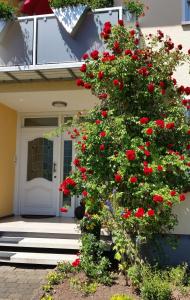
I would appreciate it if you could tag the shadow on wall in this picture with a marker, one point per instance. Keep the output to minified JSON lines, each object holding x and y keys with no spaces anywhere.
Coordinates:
{"x":162,"y":13}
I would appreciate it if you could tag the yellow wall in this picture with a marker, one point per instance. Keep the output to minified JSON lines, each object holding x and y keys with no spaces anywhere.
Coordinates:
{"x":8,"y":123}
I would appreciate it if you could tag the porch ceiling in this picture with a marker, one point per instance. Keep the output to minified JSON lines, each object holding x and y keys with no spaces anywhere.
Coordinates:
{"x":38,"y":97}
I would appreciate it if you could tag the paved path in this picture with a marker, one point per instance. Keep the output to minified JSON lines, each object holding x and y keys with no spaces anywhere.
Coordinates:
{"x":21,"y":283}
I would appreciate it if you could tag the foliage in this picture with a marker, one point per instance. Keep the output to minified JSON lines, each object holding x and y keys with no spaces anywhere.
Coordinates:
{"x":135,"y":7}
{"x":6,"y":11}
{"x":65,"y":268}
{"x":133,"y":148}
{"x":121,"y":297}
{"x":86,"y":287}
{"x":47,"y":297}
{"x":54,"y":278}
{"x":93,"y":4}
{"x":93,"y":263}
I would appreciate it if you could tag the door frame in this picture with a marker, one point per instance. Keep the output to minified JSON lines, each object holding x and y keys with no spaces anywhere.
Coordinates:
{"x":18,"y":160}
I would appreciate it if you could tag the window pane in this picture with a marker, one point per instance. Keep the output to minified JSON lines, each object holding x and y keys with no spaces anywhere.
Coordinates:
{"x":40,"y":122}
{"x":67,"y":167}
{"x":40,"y":159}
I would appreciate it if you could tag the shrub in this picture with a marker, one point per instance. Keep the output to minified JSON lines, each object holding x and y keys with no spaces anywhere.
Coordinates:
{"x":156,"y":288}
{"x":91,"y":3}
{"x":121,"y":297}
{"x":93,"y":263}
{"x":135,"y":7}
{"x":6,"y":11}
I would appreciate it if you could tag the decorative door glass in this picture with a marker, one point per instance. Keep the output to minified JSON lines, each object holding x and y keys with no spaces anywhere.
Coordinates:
{"x":40,"y":159}
{"x":67,"y":167}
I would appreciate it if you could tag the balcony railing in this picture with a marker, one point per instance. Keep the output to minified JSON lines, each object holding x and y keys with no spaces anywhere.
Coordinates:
{"x":41,"y":43}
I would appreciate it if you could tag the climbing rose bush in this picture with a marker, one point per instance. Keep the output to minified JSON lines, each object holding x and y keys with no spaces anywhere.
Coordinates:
{"x":133,"y":148}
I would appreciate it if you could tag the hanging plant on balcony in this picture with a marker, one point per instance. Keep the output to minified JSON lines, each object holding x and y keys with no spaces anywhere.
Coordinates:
{"x":6,"y":14}
{"x":71,"y":13}
{"x":135,"y":7}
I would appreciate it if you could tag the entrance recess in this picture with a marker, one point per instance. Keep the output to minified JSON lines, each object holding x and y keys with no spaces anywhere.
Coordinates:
{"x":39,"y":174}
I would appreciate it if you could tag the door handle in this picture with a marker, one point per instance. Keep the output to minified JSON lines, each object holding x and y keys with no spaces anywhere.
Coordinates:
{"x":54,"y":167}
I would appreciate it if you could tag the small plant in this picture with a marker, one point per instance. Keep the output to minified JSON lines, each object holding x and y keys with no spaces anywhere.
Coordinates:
{"x":65,"y":268}
{"x":155,"y":287}
{"x":134,"y":274}
{"x":47,"y":288}
{"x":121,"y":297}
{"x":135,"y":7}
{"x":91,"y":224}
{"x":6,"y":11}
{"x":85,"y":287}
{"x":54,"y":278}
{"x":47,"y":297}
{"x":91,"y":3}
{"x":93,"y":263}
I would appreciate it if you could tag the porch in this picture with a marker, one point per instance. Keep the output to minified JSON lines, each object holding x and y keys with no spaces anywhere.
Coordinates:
{"x":43,"y":241}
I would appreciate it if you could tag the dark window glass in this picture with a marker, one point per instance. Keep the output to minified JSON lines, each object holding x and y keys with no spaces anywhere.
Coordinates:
{"x":40,"y":122}
{"x":40,"y":159}
{"x":67,"y":167}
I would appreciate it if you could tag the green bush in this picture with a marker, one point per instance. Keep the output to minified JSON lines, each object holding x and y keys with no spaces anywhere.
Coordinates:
{"x":6,"y":11}
{"x":155,"y":287}
{"x":93,"y":263}
{"x":91,"y":3}
{"x":134,"y":274}
{"x":178,"y":276}
{"x":121,"y":297}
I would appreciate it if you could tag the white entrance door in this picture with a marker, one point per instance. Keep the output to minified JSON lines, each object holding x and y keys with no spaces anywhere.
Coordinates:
{"x":67,"y":158}
{"x":39,"y":182}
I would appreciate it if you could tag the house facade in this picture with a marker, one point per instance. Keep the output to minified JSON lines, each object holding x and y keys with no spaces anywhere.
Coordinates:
{"x":39,"y":64}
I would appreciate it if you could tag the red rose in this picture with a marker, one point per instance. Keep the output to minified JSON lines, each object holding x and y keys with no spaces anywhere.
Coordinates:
{"x":172,"y":193}
{"x":147,"y":153}
{"x":160,"y":168}
{"x":84,"y":137}
{"x":118,"y":178}
{"x":134,"y":57}
{"x":187,"y":90}
{"x":103,"y":96}
{"x":149,"y":131}
{"x":180,"y":47}
{"x":116,"y":82}
{"x":102,"y":147}
{"x":136,"y":41}
{"x":188,"y":131}
{"x":70,"y":181}
{"x":158,"y":198}
{"x":102,"y":134}
{"x":121,"y":23}
{"x":139,"y":213}
{"x":82,"y":169}
{"x":80,"y":82}
{"x":94,"y":54}
{"x":87,"y":86}
{"x":182,"y":197}
{"x":104,"y":113}
{"x":170,"y":125}
{"x":85,"y":193}
{"x":160,"y":123}
{"x":126,"y":214}
{"x":83,"y":68}
{"x":147,"y":171}
{"x":130,"y":154}
{"x":98,"y":122}
{"x":84,"y":177}
{"x":151,"y":212}
{"x":169,"y":203}
{"x":151,"y":87}
{"x":76,"y":162}
{"x":63,"y":209}
{"x":100,"y":75}
{"x":83,"y":148}
{"x":144,"y":120}
{"x":76,"y":263}
{"x":85,"y":56}
{"x":148,"y":144}
{"x":128,"y":52}
{"x":162,"y":84}
{"x":132,"y":32}
{"x":133,"y":179}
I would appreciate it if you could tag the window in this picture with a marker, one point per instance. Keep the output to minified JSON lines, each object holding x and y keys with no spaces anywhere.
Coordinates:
{"x":41,"y":122}
{"x":186,"y":11}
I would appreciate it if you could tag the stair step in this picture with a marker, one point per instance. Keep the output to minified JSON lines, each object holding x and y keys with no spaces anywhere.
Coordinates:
{"x":35,"y":258}
{"x":40,"y":243}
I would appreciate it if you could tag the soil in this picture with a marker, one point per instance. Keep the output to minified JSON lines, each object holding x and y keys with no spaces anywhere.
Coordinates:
{"x":64,"y":291}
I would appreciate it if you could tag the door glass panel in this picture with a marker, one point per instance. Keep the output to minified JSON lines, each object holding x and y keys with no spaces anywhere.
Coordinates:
{"x":40,"y":159}
{"x":67,"y":167}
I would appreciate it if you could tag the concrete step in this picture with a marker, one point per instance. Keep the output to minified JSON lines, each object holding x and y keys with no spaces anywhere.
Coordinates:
{"x":35,"y":258}
{"x":40,"y":243}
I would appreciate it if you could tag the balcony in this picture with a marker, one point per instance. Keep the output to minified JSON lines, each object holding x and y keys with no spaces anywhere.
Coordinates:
{"x":39,"y":48}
